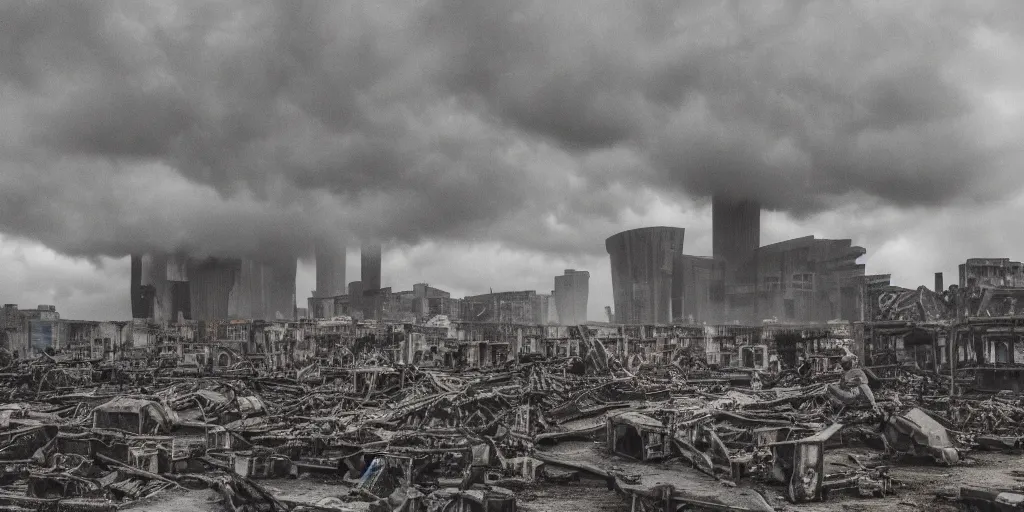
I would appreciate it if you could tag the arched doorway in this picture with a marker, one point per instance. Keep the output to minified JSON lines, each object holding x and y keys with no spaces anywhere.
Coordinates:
{"x":789,"y":347}
{"x":919,"y":345}
{"x":628,"y":442}
{"x":223,"y":359}
{"x":1002,"y":352}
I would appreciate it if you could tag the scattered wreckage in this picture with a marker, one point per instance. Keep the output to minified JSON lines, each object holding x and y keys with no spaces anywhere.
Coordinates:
{"x":399,"y":438}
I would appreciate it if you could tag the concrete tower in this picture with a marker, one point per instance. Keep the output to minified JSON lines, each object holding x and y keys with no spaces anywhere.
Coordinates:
{"x":369,"y":266}
{"x":211,"y":283}
{"x":330,"y":270}
{"x":736,"y":236}
{"x":572,"y":289}
{"x":646,"y":283}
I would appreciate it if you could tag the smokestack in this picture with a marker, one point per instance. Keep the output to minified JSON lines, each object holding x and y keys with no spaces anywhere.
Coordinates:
{"x":330,"y":270}
{"x":140,"y":306}
{"x":369,"y":263}
{"x":938,"y":282}
{"x":736,"y":236}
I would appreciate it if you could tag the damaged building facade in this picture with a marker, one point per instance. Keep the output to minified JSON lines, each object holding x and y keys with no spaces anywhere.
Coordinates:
{"x":168,"y":289}
{"x":795,"y":281}
{"x":27,"y":333}
{"x":425,"y":302}
{"x":970,"y":331}
{"x":647,"y":276}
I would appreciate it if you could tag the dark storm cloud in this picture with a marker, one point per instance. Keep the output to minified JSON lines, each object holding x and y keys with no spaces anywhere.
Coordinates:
{"x":794,"y":103}
{"x":259,"y":127}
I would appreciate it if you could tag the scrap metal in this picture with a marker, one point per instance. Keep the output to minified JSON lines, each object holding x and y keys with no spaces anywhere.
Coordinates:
{"x":661,"y":434}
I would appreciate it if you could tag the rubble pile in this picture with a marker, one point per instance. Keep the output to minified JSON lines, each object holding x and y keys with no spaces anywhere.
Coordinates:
{"x":394,"y":437}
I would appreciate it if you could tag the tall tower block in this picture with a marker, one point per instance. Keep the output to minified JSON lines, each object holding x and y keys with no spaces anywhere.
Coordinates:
{"x":330,"y":270}
{"x":369,"y":266}
{"x":646,"y":274}
{"x":736,"y":236}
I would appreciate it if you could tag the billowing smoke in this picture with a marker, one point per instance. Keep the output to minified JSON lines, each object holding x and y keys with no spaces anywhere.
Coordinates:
{"x":257,"y":128}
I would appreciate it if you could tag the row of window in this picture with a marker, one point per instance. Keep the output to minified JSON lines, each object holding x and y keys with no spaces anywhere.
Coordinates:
{"x":800,"y":281}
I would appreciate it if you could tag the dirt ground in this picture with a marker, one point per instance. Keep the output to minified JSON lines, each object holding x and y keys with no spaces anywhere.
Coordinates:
{"x":919,"y":484}
{"x":586,"y":495}
{"x":299,"y":490}
{"x":180,"y":501}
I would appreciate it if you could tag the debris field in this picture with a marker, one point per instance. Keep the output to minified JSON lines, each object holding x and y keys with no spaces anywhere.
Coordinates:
{"x":376,"y":435}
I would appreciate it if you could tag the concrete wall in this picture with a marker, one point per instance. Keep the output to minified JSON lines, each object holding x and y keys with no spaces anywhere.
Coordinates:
{"x":805,"y":280}
{"x":703,"y":289}
{"x":515,"y":307}
{"x":991,"y":273}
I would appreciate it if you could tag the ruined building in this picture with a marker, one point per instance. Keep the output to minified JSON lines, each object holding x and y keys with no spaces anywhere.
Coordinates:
{"x":736,"y":236}
{"x":571,"y":293}
{"x":27,"y":332}
{"x":991,"y":287}
{"x":543,"y":305}
{"x":168,"y":289}
{"x":355,"y":299}
{"x":806,"y":280}
{"x":369,"y":266}
{"x":518,"y":307}
{"x":424,"y":302}
{"x":646,"y":274}
{"x":211,"y":285}
{"x":703,"y":289}
{"x":264,"y":291}
{"x":422,"y":293}
{"x":330,"y":270}
{"x":371,"y":303}
{"x":408,"y":306}
{"x":991,"y":273}
{"x":160,"y":287}
{"x":800,"y":280}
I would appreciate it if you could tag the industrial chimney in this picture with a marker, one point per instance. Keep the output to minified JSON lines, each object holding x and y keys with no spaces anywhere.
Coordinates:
{"x":736,"y":236}
{"x":938,"y":282}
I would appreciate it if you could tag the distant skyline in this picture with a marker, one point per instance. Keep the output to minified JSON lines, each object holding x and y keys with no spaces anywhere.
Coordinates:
{"x":82,"y":291}
{"x":492,"y":144}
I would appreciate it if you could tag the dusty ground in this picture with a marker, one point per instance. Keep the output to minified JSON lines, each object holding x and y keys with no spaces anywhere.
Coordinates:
{"x":304,"y":490}
{"x":918,"y":493}
{"x":588,"y":495}
{"x":180,"y":501}
{"x":921,"y":484}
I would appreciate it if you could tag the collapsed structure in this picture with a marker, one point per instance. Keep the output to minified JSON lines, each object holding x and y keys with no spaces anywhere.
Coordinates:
{"x":169,"y":289}
{"x":795,"y":281}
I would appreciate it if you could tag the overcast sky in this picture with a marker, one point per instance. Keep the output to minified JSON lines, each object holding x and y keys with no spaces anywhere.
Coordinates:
{"x":494,"y":143}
